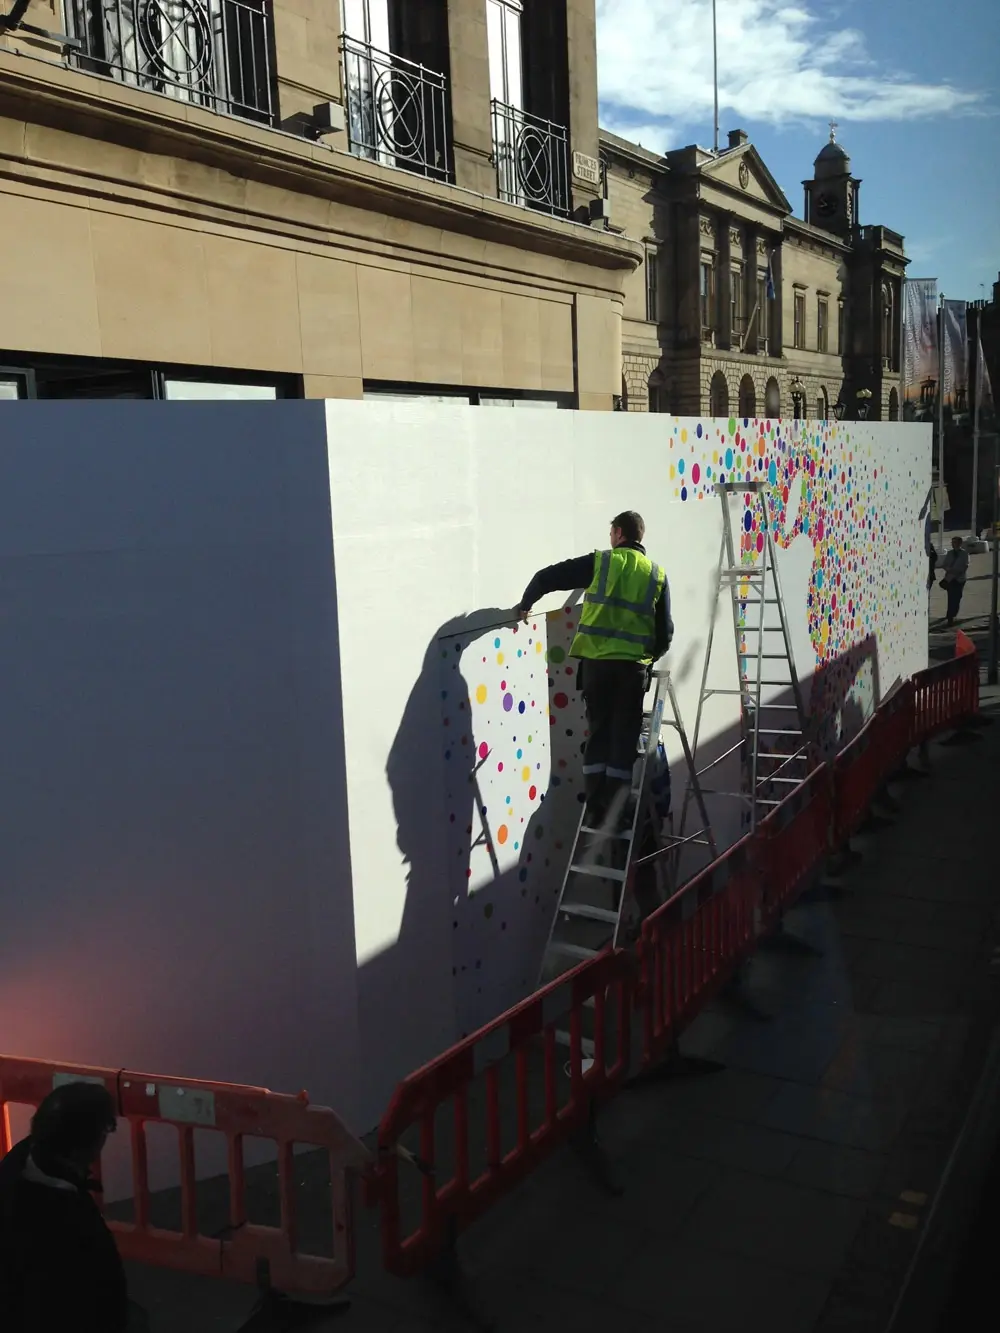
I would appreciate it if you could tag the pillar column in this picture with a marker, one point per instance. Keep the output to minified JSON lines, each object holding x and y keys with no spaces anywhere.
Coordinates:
{"x":469,"y":82}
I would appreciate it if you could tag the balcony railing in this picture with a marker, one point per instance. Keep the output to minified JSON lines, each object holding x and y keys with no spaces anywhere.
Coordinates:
{"x":532,"y":160}
{"x":210,"y":53}
{"x":397,"y":111}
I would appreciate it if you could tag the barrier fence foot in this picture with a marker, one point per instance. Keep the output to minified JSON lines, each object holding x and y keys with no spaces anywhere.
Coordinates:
{"x":735,"y":994}
{"x":587,"y":1145}
{"x":676,"y":1065}
{"x":448,"y":1275}
{"x":785,"y":939}
{"x":908,"y":773}
{"x":965,"y":735}
{"x":275,"y":1313}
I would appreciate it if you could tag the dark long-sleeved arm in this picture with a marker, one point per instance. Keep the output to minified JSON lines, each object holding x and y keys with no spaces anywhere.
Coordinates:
{"x":563,"y":577}
{"x":664,"y":624}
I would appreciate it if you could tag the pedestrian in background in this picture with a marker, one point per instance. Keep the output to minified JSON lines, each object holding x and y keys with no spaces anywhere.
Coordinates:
{"x":956,"y":568}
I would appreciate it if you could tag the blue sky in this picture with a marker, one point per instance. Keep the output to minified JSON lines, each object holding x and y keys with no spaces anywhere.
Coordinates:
{"x":913,"y":85}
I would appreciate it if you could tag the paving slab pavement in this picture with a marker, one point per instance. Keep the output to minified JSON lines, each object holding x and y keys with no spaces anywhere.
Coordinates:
{"x":786,"y":1192}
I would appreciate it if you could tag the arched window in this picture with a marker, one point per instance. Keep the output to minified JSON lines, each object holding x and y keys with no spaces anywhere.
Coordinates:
{"x":772,"y":399}
{"x":888,"y":321}
{"x":748,"y":397}
{"x":823,"y":406}
{"x":893,"y":405}
{"x":657,"y":392}
{"x":718,"y":401}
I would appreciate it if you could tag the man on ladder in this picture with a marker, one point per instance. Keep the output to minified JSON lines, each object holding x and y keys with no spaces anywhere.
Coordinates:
{"x":625,"y":627}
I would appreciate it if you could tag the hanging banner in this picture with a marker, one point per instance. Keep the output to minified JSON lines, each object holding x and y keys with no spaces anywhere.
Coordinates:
{"x":920,"y":346}
{"x":984,"y":389}
{"x":956,"y":356}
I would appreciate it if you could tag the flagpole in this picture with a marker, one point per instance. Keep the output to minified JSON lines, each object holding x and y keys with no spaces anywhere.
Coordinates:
{"x":715,"y":74}
{"x":975,"y":429}
{"x":941,"y":361}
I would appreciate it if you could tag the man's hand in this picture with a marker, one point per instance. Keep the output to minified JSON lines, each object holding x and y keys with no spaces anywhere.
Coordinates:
{"x":522,"y":613}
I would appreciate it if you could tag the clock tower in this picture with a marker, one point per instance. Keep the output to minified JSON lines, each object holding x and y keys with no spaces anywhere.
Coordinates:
{"x":832,"y":195}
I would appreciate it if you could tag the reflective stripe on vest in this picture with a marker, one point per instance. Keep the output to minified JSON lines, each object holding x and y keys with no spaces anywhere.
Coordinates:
{"x":618,"y":617}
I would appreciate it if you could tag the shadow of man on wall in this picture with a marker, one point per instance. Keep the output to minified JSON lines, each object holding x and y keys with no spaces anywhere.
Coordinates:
{"x":477,"y":912}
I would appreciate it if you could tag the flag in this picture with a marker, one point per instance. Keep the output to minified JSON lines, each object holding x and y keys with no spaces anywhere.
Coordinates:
{"x":769,"y":289}
{"x":984,"y":389}
{"x":920,"y":346}
{"x":956,"y":355}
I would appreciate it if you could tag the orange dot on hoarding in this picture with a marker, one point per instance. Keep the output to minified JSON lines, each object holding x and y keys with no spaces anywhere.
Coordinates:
{"x":502,"y":834}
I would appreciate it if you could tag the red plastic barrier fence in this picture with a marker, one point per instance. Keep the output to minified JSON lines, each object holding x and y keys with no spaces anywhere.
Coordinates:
{"x":897,"y":727}
{"x":794,"y":843}
{"x":858,"y":772}
{"x":945,"y":696}
{"x":694,"y":943}
{"x":449,"y":1206}
{"x":249,"y":1252}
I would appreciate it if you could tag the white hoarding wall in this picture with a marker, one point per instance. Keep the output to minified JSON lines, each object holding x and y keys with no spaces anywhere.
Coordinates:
{"x":256,"y":653}
{"x":176,"y":867}
{"x":463,"y":731}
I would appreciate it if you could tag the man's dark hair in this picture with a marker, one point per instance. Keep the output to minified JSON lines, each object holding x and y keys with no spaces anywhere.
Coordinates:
{"x":631,"y":524}
{"x":72,"y":1120}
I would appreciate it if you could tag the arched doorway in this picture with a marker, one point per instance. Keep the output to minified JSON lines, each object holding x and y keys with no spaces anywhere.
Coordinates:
{"x":657,"y":389}
{"x":718,"y":396}
{"x":748,"y":397}
{"x":822,"y":406}
{"x":772,"y":399}
{"x":893,"y":405}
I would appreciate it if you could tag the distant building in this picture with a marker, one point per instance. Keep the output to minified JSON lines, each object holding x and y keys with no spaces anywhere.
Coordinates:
{"x":261,"y":198}
{"x":741,"y":309}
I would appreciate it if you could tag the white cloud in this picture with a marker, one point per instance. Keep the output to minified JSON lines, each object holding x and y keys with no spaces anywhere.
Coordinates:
{"x":779,"y":62}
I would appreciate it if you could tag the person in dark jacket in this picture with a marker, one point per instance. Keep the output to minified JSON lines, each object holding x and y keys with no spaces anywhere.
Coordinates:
{"x":59,"y":1265}
{"x":625,"y":626}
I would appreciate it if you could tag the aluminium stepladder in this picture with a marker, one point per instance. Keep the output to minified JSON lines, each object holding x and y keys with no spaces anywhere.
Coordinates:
{"x":774,"y":746}
{"x":593,"y":910}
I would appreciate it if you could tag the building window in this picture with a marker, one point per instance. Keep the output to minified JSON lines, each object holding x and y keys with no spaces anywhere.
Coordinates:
{"x":652,"y":286}
{"x":800,"y":320}
{"x":396,"y":98}
{"x":657,"y":392}
{"x":842,"y":328}
{"x":763,"y":312}
{"x":531,"y":150}
{"x":718,"y":396}
{"x":822,"y":325}
{"x":211,"y":53}
{"x":772,"y":399}
{"x":707,"y":294}
{"x":823,"y":406}
{"x":748,"y":398}
{"x":736,"y":303}
{"x":893,"y":405}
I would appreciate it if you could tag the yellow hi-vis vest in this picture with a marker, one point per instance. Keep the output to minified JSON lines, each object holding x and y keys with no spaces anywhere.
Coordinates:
{"x":618,"y":617}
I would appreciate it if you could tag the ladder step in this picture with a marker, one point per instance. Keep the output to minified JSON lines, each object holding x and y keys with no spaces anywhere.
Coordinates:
{"x":601,"y":833}
{"x":794,"y":708}
{"x":588,"y":913}
{"x":738,"y":571}
{"x":571,"y":950}
{"x":600,"y":872}
{"x":779,"y":731}
{"x":795,"y":782}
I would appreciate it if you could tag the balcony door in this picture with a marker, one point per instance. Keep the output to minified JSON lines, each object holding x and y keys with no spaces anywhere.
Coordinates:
{"x":395,"y":74}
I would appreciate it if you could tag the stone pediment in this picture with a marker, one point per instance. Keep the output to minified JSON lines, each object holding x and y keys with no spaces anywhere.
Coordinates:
{"x":743,"y":170}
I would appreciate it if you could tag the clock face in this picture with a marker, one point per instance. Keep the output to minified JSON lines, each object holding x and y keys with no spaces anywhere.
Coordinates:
{"x":826,"y":205}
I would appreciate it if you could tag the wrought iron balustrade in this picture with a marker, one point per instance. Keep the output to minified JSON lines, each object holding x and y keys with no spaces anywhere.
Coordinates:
{"x":397,"y":111}
{"x":532,"y":160}
{"x":211,"y":53}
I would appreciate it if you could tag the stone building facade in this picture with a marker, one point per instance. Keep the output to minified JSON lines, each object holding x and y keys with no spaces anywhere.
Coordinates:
{"x":303,"y":197}
{"x":740,"y":308}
